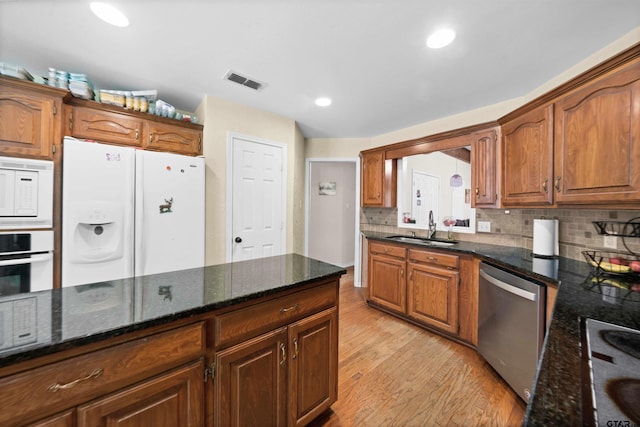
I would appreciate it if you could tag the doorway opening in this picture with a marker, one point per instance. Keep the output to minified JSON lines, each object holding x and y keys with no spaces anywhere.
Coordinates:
{"x":332,"y":212}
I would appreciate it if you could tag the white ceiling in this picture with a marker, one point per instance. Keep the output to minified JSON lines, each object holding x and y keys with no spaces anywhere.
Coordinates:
{"x":369,"y":56}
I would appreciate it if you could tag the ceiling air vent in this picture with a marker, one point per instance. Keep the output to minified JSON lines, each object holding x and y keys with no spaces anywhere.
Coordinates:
{"x":232,"y":76}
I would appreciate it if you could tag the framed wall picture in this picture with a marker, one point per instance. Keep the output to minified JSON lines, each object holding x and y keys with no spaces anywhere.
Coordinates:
{"x":327,"y":188}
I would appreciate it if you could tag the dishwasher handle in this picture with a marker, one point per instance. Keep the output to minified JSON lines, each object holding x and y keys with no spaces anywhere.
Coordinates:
{"x":509,"y":288}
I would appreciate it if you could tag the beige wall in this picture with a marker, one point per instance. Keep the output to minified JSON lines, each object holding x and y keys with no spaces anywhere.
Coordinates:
{"x":220,"y":118}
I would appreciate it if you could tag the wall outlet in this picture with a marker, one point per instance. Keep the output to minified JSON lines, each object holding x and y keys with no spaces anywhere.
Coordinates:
{"x":611,"y":242}
{"x":484,"y":226}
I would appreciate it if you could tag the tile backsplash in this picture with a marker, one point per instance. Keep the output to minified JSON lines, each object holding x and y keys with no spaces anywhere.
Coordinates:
{"x":514,"y":227}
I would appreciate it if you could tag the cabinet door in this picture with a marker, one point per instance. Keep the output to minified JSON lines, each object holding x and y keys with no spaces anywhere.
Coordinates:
{"x":29,"y":123}
{"x":65,"y":419}
{"x":313,"y":375}
{"x":176,"y":139}
{"x":527,"y":159}
{"x":484,"y":170}
{"x":105,"y":126}
{"x":174,"y":399}
{"x":433,"y":296}
{"x":251,"y":382}
{"x":597,"y":141}
{"x":378,"y":186}
{"x":387,"y":285}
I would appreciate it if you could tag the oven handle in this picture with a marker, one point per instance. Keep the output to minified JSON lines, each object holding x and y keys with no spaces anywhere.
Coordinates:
{"x":507,"y":287}
{"x":31,"y":260}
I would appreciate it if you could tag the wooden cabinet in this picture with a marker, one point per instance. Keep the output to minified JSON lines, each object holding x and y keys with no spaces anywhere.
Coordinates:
{"x":597,"y":141}
{"x":36,"y":393}
{"x":105,"y":126}
{"x":433,"y":289}
{"x":387,"y":282}
{"x":174,"y":399}
{"x":115,"y":125}
{"x":527,"y":159}
{"x":484,"y":171}
{"x":30,"y":119}
{"x":251,"y":382}
{"x":177,"y":139}
{"x":379,"y":180}
{"x":313,"y":370}
{"x":277,"y":361}
{"x":65,"y":419}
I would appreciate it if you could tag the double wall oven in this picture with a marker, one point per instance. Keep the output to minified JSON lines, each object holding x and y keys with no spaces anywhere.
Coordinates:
{"x":26,"y":235}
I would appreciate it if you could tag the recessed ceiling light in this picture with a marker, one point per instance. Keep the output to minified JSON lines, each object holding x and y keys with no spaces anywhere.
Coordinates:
{"x":109,"y":14}
{"x":323,"y":102}
{"x":441,"y":38}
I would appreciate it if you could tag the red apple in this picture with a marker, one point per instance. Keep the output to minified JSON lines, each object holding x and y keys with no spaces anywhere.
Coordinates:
{"x":619,"y":261}
{"x":635,"y":266}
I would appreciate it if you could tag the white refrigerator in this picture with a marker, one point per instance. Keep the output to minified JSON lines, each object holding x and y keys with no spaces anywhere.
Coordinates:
{"x":129,"y":212}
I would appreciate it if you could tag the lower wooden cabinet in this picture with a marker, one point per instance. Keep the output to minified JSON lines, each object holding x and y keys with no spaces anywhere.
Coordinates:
{"x":275,"y":363}
{"x":174,"y":399}
{"x":284,"y":377}
{"x":433,"y":296}
{"x":387,"y":285}
{"x":65,"y":419}
{"x":251,"y":382}
{"x":434,"y":288}
{"x":313,"y":370}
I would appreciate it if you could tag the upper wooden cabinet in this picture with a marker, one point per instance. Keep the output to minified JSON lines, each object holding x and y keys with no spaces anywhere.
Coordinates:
{"x":177,"y":139}
{"x":115,"y":125}
{"x":105,"y":126}
{"x":379,"y":180}
{"x":597,"y":141}
{"x":527,"y":159}
{"x":30,"y":118}
{"x":484,"y":171}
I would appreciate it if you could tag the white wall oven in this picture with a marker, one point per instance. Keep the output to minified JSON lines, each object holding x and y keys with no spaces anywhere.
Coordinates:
{"x":26,"y":261}
{"x":26,"y":193}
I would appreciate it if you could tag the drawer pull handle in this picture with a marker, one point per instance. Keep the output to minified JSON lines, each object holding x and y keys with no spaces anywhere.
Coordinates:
{"x":285,"y":309}
{"x":432,"y":258}
{"x":295,"y":348}
{"x":284,"y":354}
{"x":55,"y":387}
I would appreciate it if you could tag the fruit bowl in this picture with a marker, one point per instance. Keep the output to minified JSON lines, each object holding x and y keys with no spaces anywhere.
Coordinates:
{"x":613,"y":262}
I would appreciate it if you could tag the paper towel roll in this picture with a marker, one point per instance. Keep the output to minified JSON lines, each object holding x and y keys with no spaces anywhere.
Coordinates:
{"x":545,"y":237}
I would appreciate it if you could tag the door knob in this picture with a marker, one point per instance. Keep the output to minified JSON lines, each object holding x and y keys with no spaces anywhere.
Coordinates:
{"x":238,"y":239}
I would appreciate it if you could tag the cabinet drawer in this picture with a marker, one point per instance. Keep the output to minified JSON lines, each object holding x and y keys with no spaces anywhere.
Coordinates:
{"x":389,"y":250}
{"x":52,"y":388}
{"x":233,"y":327}
{"x":437,"y":258}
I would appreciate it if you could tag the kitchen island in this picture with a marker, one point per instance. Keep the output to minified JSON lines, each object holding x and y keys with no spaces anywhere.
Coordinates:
{"x":219,"y":345}
{"x":561,"y":391}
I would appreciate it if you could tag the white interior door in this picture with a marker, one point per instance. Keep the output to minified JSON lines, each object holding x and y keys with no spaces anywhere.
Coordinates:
{"x":258,"y":199}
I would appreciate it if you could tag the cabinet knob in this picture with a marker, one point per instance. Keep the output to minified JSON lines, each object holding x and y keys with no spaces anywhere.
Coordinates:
{"x":238,"y":239}
{"x":477,"y":191}
{"x":544,"y":185}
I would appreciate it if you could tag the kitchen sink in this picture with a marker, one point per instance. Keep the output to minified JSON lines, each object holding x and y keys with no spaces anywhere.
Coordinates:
{"x":424,"y":241}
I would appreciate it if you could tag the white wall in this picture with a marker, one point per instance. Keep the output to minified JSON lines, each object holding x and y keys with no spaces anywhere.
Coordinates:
{"x":351,"y":147}
{"x":332,"y":218}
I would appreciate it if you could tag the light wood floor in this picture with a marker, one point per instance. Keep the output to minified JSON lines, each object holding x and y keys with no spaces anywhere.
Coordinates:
{"x":392,"y":373}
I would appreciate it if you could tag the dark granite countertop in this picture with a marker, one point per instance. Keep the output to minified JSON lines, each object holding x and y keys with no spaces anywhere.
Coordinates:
{"x":557,"y":394}
{"x":79,"y":315}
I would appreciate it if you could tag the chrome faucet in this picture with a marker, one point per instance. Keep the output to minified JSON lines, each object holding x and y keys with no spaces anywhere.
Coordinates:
{"x":432,"y":225}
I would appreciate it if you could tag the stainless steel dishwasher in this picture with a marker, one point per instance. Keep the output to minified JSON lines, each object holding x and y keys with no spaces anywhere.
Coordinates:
{"x":511,"y":313}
